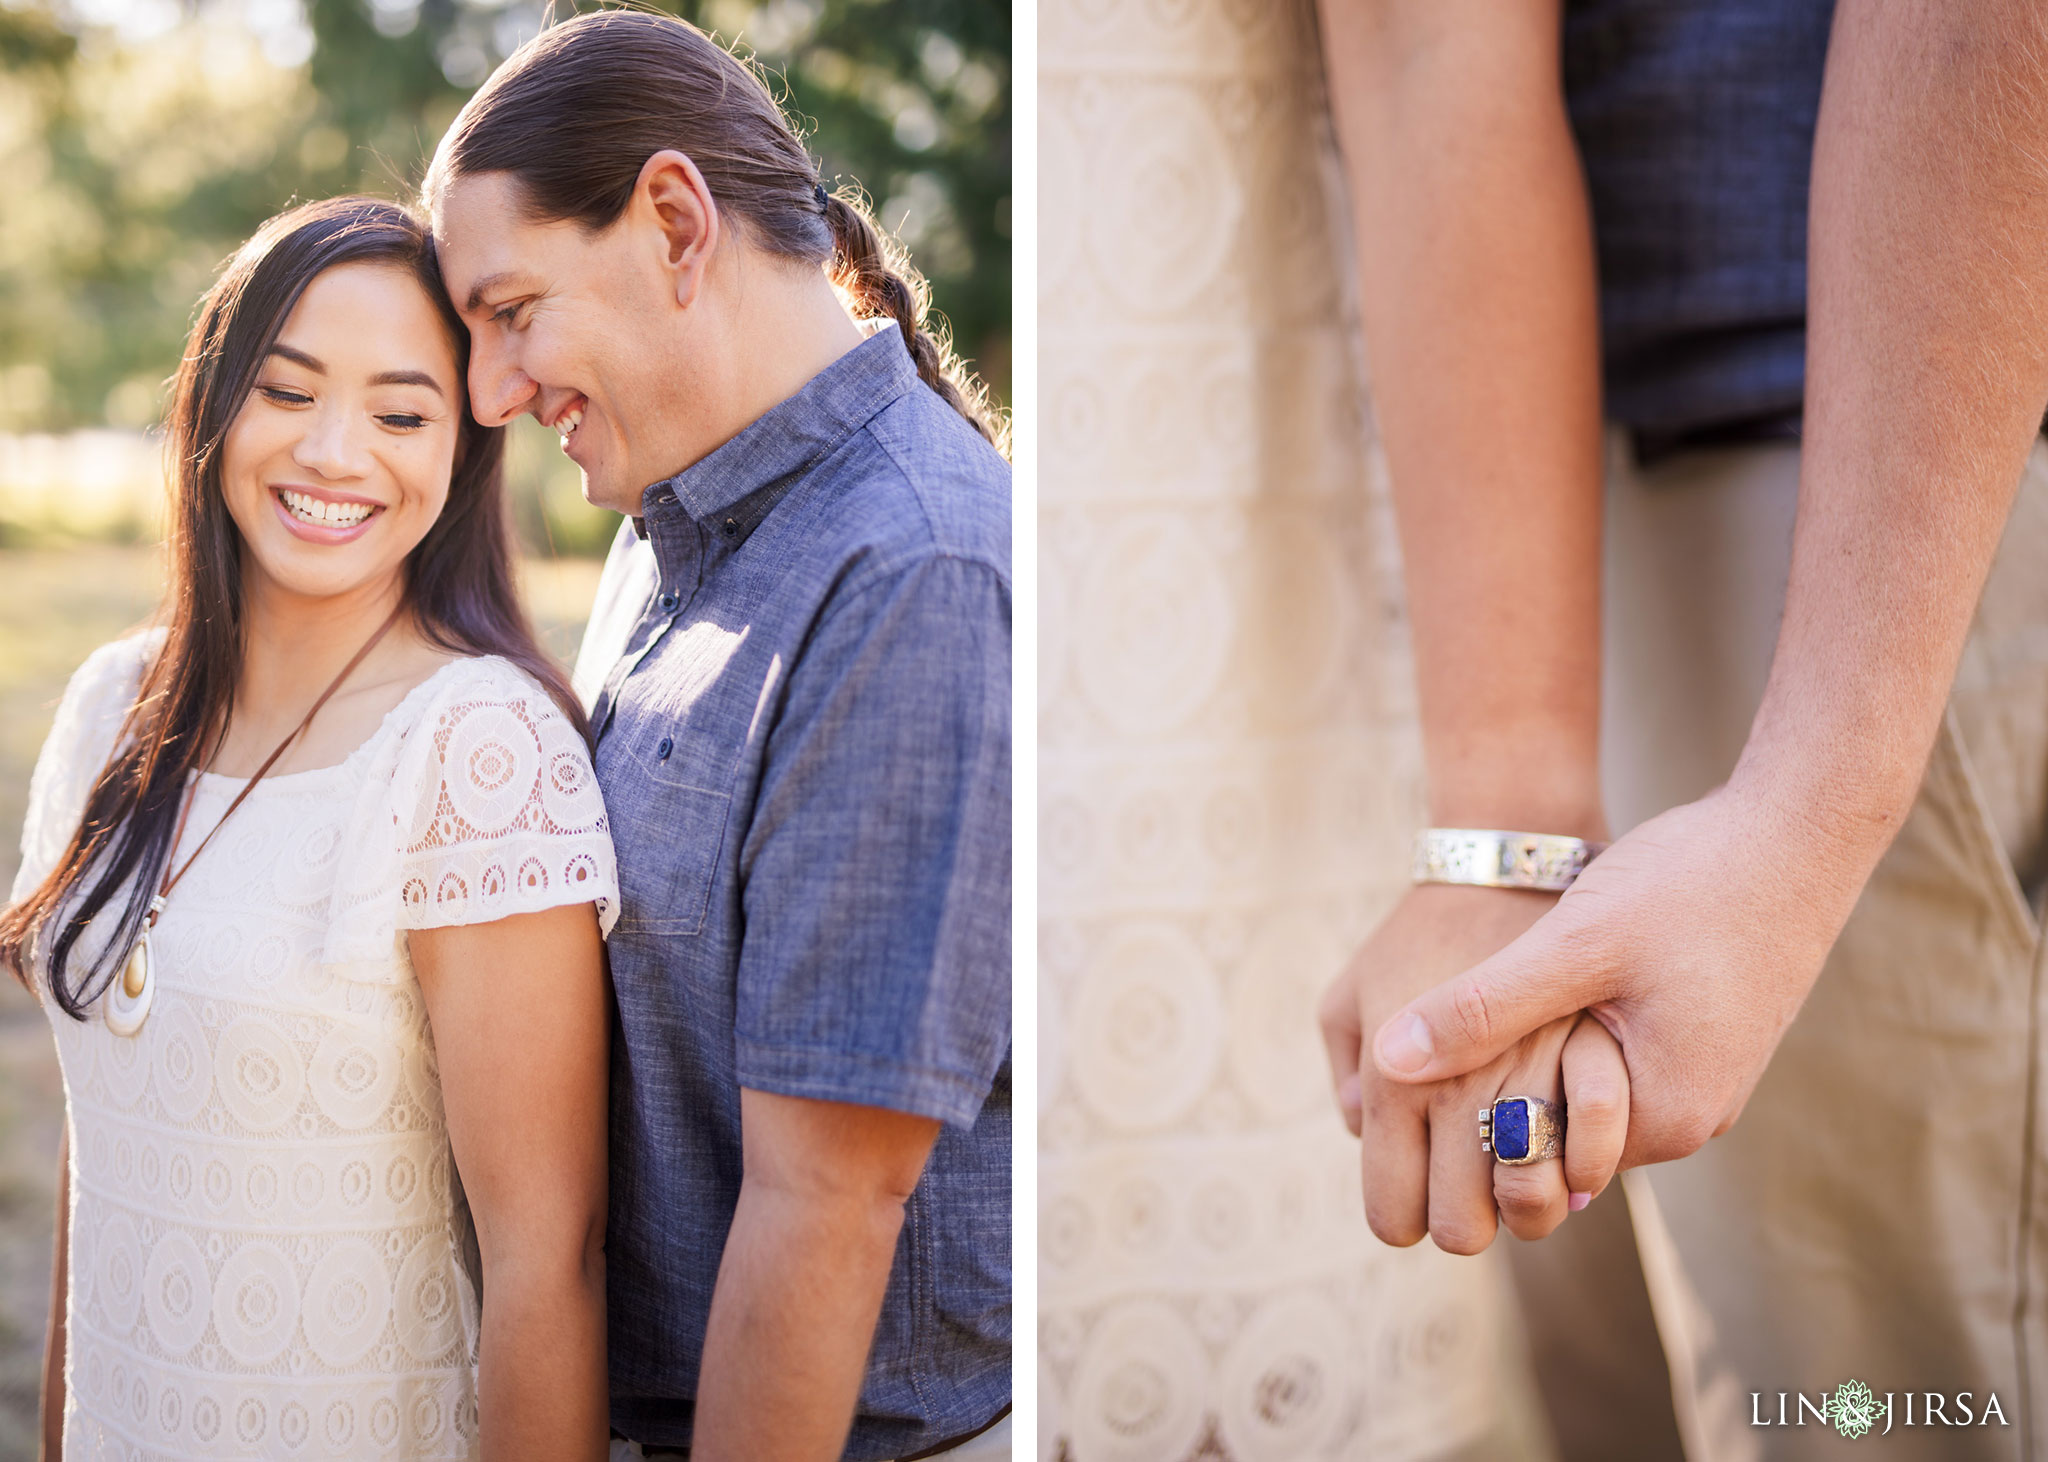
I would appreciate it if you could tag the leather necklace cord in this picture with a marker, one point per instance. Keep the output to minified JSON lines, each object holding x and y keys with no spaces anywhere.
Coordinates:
{"x":171,"y":877}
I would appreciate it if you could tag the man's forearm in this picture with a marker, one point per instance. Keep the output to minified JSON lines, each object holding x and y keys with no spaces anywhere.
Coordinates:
{"x":793,"y":1318}
{"x":1927,"y":370}
{"x":1476,"y":278}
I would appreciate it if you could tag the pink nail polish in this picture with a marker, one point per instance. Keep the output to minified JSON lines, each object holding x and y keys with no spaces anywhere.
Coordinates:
{"x":1580,"y":1200}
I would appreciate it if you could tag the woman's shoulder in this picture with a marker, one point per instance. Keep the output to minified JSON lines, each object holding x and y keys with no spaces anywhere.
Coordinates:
{"x":114,"y":671}
{"x":101,"y":693}
{"x":493,"y":675}
{"x":470,"y":683}
{"x":477,"y":774}
{"x":483,"y":716}
{"x":82,"y":739}
{"x":491,"y":807}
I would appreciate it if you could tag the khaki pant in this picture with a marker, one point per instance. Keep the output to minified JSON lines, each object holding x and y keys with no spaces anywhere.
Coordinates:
{"x":1877,"y":1214}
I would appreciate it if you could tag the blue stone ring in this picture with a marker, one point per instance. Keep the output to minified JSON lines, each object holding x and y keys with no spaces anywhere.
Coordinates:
{"x":1522,"y":1129}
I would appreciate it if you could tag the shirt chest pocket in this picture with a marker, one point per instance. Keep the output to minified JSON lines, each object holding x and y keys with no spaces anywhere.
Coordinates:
{"x":669,"y":811}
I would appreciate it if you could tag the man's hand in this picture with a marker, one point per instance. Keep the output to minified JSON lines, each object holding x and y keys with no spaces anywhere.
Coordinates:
{"x":1422,"y":1168}
{"x":1694,"y":939}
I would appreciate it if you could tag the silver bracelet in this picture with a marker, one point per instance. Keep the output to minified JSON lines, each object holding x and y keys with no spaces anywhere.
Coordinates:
{"x":1494,"y":859}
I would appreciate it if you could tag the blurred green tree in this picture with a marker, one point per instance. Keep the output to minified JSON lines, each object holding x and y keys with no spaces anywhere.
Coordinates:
{"x":144,"y":139}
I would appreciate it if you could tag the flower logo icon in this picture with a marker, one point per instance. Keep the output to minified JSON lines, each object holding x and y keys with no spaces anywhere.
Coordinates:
{"x":1853,"y":1409}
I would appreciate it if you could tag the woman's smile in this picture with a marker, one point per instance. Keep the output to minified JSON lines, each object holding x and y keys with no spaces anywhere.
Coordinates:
{"x":318,"y":516}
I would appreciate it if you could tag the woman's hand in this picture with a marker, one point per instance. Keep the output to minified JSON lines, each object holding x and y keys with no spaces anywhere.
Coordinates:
{"x":1593,"y":1079}
{"x":522,"y":1027}
{"x":1422,"y":1168}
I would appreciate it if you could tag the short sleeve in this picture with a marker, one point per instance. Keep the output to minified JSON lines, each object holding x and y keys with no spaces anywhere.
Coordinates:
{"x":81,"y":741}
{"x":875,"y":967}
{"x":497,"y":810}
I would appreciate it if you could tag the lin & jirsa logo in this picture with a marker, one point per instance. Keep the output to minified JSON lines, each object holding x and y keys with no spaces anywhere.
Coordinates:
{"x":1854,"y":1410}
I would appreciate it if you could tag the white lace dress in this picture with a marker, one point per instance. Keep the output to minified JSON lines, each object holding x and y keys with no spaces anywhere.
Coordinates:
{"x":267,"y":1238}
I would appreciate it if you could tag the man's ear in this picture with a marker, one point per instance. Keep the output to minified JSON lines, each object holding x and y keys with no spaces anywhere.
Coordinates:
{"x":671,"y":200}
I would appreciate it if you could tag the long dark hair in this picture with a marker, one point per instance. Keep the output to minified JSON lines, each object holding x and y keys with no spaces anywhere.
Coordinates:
{"x":575,"y":113}
{"x":458,"y":584}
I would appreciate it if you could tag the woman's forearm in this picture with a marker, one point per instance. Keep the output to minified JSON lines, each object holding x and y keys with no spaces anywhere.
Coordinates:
{"x":1476,"y":279}
{"x":1927,"y":370}
{"x":54,"y":1343}
{"x":541,"y":1387}
{"x":518,"y":1008}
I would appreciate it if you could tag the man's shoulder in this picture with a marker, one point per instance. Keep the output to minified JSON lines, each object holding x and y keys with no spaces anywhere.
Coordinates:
{"x":915,"y":483}
{"x":961,"y":483}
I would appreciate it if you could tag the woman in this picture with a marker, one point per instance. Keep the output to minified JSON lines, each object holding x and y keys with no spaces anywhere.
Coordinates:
{"x":313,"y":889}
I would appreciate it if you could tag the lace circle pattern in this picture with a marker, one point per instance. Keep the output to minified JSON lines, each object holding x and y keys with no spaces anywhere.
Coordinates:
{"x":266,"y":1231}
{"x":1228,"y":774}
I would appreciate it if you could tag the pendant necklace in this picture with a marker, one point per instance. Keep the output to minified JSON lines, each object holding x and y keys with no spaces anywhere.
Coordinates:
{"x":133,"y":991}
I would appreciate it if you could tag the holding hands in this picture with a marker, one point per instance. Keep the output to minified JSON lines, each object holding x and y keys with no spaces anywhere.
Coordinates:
{"x":1648,"y":998}
{"x":1424,"y":1172}
{"x":1692,"y":942}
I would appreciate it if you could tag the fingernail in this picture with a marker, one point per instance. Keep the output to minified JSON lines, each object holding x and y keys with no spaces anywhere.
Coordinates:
{"x":1580,"y":1200}
{"x":1350,"y":1094}
{"x":1405,"y":1045}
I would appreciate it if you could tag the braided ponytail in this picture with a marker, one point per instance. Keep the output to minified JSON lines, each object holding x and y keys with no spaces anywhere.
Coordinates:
{"x":575,"y":112}
{"x":878,"y":280}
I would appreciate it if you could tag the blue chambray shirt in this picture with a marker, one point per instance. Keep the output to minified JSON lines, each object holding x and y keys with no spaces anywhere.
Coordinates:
{"x":1695,"y":121}
{"x":801,"y":686}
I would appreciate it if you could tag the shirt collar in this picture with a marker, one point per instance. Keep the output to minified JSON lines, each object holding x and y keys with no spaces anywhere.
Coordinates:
{"x":735,"y":487}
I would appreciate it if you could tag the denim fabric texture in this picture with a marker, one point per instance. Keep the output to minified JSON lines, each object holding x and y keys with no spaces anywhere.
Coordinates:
{"x":805,"y":747}
{"x":1695,"y":122}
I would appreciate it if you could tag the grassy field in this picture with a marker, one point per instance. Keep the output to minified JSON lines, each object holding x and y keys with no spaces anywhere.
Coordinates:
{"x":59,"y":604}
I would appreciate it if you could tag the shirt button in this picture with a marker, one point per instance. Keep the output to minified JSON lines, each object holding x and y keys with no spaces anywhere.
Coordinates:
{"x":667,"y":745}
{"x":732,"y":527}
{"x":668,"y":603}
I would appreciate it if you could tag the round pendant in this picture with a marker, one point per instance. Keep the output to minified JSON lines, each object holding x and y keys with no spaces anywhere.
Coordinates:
{"x":129,"y":996}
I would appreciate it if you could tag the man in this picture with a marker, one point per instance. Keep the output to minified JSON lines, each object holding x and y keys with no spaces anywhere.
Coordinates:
{"x":799,"y":669}
{"x":1872,"y":1216}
